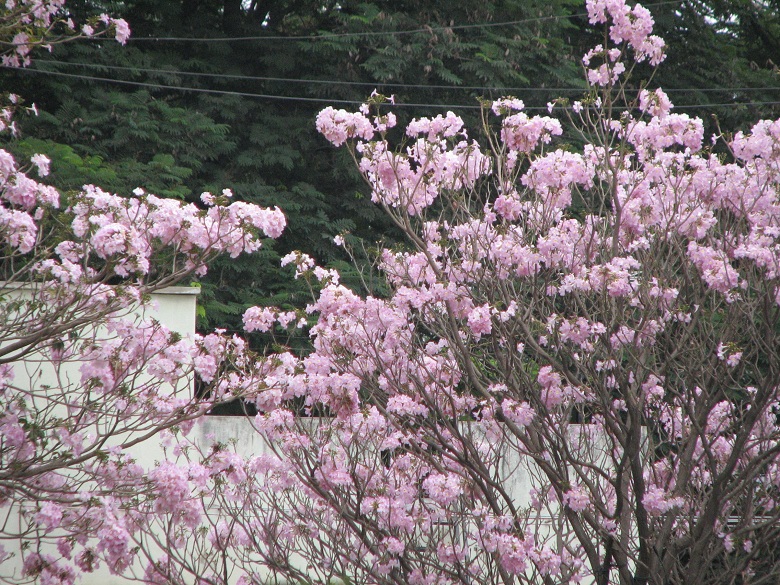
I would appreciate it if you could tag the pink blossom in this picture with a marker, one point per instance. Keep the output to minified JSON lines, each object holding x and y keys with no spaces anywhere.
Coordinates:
{"x":21,"y":43}
{"x":506,"y":105}
{"x":18,"y":229}
{"x":714,"y":267}
{"x":521,"y":133}
{"x":577,"y":498}
{"x":404,"y":405}
{"x":205,"y":366}
{"x":655,"y":103}
{"x":657,"y":501}
{"x":114,"y":541}
{"x":436,"y":128}
{"x":42,"y":164}
{"x":171,"y":486}
{"x":302,"y":262}
{"x":547,"y":378}
{"x":554,"y":175}
{"x":519,"y":413}
{"x":121,"y":29}
{"x":441,"y":488}
{"x":339,"y":125}
{"x":394,"y":546}
{"x":49,"y":515}
{"x":111,"y":239}
{"x":64,"y":547}
{"x":259,"y":319}
{"x":547,"y":561}
{"x":726,"y":353}
{"x":451,"y":553}
{"x":480,"y":321}
{"x":513,"y":553}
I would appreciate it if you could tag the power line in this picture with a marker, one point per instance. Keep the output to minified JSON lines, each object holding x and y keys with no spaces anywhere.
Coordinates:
{"x":337,"y":101}
{"x":379,"y":83}
{"x":379,"y":33}
{"x":226,"y":92}
{"x":312,"y":81}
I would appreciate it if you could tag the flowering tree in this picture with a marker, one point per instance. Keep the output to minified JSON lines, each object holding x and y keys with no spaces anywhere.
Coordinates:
{"x":575,"y":377}
{"x":29,"y":24}
{"x":85,"y":373}
{"x":77,"y":274}
{"x":83,"y":376}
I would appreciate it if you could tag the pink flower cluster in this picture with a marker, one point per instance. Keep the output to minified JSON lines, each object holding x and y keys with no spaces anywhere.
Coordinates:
{"x":338,"y":126}
{"x":437,"y":128}
{"x":38,"y":18}
{"x":524,"y":134}
{"x":632,"y":26}
{"x":555,"y":174}
{"x":412,"y":180}
{"x":598,"y":322}
{"x":657,"y":502}
{"x":264,"y":318}
{"x":409,"y":180}
{"x":128,"y":232}
{"x":656,"y":103}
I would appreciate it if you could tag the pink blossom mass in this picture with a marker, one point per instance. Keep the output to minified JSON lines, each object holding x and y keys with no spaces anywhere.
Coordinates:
{"x":570,"y":373}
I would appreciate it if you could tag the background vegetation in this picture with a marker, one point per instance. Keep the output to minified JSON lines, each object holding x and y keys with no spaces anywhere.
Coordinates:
{"x":213,"y":94}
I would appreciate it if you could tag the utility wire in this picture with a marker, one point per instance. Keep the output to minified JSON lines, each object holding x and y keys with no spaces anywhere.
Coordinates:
{"x":378,"y":83}
{"x":337,"y":101}
{"x":379,"y":33}
{"x":224,"y":92}
{"x":312,"y":81}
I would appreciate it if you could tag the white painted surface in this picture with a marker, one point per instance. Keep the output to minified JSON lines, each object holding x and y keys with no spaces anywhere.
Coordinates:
{"x":173,"y":307}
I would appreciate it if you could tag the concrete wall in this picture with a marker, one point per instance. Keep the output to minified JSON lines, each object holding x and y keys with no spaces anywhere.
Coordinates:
{"x":173,"y":307}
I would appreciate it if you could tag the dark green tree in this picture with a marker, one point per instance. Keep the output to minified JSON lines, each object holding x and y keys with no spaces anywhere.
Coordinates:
{"x":722,"y":55}
{"x":180,"y":143}
{"x":187,"y":118}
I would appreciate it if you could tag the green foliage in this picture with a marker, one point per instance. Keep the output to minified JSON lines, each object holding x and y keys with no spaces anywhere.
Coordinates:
{"x":717,"y":45}
{"x":144,"y":139}
{"x":73,"y":170}
{"x":180,"y":143}
{"x":489,"y":58}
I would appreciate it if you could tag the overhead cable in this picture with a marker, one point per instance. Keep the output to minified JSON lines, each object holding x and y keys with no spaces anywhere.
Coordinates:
{"x":304,"y":81}
{"x":332,"y":101}
{"x":375,"y":84}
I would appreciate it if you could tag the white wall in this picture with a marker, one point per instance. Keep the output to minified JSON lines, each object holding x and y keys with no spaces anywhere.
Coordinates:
{"x":173,"y":307}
